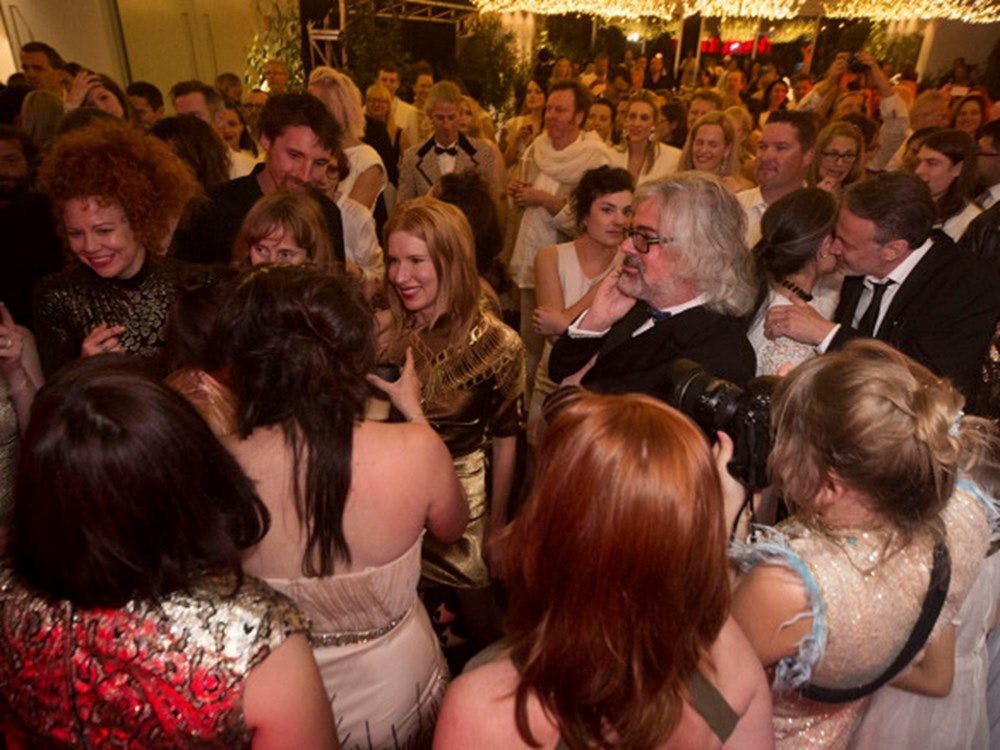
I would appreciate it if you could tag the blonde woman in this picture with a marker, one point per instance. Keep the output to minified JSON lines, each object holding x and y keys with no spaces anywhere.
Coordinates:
{"x":470,"y":368}
{"x":366,"y":177}
{"x":645,"y":158}
{"x":711,"y":147}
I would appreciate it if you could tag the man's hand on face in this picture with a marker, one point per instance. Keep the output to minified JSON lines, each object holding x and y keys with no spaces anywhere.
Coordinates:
{"x":610,"y":304}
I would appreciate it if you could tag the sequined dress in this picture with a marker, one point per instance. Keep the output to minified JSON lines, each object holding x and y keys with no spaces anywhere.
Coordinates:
{"x":8,"y":450}
{"x":471,"y":394}
{"x":379,"y":658}
{"x":70,"y":304}
{"x":865,"y":595}
{"x":163,"y":675}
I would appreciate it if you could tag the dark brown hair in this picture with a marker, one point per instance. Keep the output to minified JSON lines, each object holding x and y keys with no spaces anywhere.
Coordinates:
{"x":298,"y":342}
{"x":123,"y":492}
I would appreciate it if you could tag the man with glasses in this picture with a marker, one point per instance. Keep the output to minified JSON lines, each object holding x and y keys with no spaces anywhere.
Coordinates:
{"x":682,"y":286}
{"x":982,"y":236}
{"x":906,"y":284}
{"x":783,"y":156}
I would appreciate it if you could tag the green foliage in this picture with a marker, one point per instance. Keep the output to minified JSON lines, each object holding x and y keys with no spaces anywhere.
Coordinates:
{"x":488,"y":61}
{"x":371,"y":41}
{"x":281,"y":39}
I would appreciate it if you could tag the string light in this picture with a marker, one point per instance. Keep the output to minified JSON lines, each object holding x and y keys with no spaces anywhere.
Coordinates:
{"x":751,"y":11}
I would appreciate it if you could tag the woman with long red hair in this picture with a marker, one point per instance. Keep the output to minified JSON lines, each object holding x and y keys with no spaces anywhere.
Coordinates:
{"x":618,"y":623}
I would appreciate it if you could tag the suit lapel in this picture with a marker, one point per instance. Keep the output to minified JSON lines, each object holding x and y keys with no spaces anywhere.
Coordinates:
{"x":427,"y":164}
{"x":622,"y":330}
{"x":923,"y":274}
{"x":850,"y":293}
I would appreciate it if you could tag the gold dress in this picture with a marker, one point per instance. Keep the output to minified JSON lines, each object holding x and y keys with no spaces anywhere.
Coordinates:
{"x":164,"y":674}
{"x":866,"y":594}
{"x":471,"y":394}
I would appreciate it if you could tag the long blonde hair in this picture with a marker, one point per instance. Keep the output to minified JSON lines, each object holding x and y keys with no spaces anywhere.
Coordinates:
{"x":652,"y":146}
{"x":341,"y":97}
{"x":448,"y":236}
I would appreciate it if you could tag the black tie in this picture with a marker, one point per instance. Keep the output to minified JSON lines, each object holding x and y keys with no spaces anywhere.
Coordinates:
{"x":658,"y":316}
{"x":866,"y":325}
{"x":450,"y":150}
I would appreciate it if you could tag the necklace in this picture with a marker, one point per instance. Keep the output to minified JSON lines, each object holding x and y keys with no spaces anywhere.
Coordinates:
{"x":875,"y":558}
{"x":795,"y":289}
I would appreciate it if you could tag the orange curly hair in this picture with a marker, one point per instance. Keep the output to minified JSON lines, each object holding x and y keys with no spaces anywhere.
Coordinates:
{"x":116,"y":163}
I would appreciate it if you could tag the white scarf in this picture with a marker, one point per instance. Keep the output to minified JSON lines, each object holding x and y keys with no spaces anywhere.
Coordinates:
{"x":548,"y":168}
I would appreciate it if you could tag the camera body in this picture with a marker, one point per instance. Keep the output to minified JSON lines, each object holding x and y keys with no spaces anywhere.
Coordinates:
{"x":744,"y":414}
{"x":856,"y":66}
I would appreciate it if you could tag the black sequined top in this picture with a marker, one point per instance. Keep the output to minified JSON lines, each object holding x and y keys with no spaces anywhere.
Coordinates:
{"x":70,"y":304}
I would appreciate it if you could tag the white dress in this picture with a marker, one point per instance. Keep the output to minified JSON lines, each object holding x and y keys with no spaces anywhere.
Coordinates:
{"x":361,"y":158}
{"x":379,"y":658}
{"x":666,"y":163}
{"x":574,"y":286}
{"x":360,"y":239}
{"x":900,"y":719}
{"x":776,"y":353}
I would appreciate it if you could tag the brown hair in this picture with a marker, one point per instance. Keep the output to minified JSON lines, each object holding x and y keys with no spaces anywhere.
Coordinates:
{"x":292,"y":211}
{"x":836,"y":129}
{"x":610,"y":618}
{"x":448,"y":236}
{"x":885,"y":425}
{"x":113,"y":162}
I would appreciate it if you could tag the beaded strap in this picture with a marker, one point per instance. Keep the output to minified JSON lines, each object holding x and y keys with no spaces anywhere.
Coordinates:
{"x":350,"y":637}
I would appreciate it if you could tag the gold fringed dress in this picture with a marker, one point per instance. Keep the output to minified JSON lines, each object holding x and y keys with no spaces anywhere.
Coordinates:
{"x":471,"y":393}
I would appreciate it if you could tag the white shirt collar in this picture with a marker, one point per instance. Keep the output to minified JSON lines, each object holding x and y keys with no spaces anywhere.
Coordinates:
{"x":900,"y":272}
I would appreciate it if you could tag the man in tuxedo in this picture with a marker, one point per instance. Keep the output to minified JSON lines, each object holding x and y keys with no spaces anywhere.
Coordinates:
{"x":682,"y":285}
{"x":446,"y":150}
{"x":907,"y":285}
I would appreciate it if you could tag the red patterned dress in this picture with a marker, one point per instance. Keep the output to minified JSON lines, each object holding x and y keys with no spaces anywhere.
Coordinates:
{"x":147,"y":675}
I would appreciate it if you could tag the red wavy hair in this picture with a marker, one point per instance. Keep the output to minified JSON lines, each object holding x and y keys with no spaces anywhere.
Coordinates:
{"x":617,"y":571}
{"x":115,"y":163}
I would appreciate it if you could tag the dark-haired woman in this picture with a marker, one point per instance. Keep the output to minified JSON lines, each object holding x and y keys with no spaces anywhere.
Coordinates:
{"x":350,"y":499}
{"x":126,"y":620}
{"x":794,"y":262}
{"x":618,"y":639}
{"x":117,"y":193}
{"x":567,"y":275}
{"x":947,"y":163}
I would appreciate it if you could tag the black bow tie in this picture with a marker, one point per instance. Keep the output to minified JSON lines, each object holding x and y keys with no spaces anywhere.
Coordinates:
{"x":450,"y":150}
{"x":658,"y":316}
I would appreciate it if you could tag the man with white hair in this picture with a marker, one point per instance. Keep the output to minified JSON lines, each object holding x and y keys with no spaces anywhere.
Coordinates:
{"x":682,"y":287}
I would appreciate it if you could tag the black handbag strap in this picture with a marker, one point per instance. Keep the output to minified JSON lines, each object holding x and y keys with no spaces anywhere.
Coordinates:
{"x":937,"y":591}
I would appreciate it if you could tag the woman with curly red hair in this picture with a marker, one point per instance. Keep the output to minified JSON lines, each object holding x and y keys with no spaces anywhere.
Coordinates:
{"x":117,"y":194}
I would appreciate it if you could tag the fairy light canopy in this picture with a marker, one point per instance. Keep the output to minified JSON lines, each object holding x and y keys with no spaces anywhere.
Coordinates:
{"x":968,"y":11}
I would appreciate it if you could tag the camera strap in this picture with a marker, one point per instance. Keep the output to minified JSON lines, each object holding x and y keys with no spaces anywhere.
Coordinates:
{"x":937,"y":591}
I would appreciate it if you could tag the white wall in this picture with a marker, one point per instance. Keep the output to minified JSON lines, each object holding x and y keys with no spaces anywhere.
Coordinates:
{"x":165,"y":40}
{"x":946,"y":40}
{"x":83,"y":31}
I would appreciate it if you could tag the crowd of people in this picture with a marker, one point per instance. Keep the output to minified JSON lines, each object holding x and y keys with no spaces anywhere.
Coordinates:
{"x":330,"y":419}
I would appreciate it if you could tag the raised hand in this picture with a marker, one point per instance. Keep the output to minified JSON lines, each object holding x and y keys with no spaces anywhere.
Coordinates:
{"x":103,"y":339}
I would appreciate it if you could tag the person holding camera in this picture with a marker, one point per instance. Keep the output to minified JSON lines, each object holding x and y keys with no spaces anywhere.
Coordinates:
{"x":884,"y":540}
{"x":684,"y":282}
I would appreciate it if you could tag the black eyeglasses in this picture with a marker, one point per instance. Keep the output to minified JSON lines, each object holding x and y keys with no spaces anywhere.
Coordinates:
{"x":642,"y":242}
{"x":840,"y":155}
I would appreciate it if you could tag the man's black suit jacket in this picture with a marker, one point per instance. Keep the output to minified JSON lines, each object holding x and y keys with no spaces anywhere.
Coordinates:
{"x":641,"y":364}
{"x":943,"y":314}
{"x":208,"y":235}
